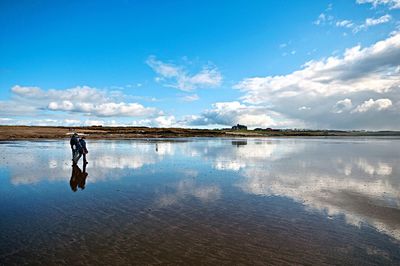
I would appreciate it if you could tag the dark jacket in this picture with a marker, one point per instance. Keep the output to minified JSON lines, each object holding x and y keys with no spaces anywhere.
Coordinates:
{"x":82,"y":146}
{"x":74,"y":141}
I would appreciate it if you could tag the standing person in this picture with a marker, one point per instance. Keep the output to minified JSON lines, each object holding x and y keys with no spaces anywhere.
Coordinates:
{"x":83,"y":150}
{"x":75,"y":145}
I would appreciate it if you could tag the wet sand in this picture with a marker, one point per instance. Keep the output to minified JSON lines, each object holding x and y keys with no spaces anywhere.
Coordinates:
{"x":202,"y":202}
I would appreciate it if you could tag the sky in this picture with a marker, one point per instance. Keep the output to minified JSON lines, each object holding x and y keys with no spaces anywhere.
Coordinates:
{"x":201,"y":64}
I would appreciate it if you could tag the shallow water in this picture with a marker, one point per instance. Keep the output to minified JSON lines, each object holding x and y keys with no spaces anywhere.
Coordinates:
{"x":202,"y":201}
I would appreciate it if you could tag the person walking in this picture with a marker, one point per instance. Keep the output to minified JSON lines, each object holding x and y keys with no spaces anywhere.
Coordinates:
{"x":75,"y":146}
{"x":83,"y":151}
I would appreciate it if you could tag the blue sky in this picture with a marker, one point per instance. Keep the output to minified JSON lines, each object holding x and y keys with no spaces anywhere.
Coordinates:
{"x":206,"y":64}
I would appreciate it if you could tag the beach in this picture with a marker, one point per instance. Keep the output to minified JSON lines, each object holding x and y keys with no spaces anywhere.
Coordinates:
{"x":252,"y":201}
{"x":99,"y":132}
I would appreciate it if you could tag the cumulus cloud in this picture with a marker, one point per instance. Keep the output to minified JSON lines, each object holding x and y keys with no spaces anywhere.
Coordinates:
{"x":165,"y":121}
{"x":342,"y":105}
{"x":377,"y":105}
{"x":83,"y":100}
{"x":232,"y":113}
{"x":103,"y":109}
{"x":359,"y":69}
{"x":178,"y":77}
{"x":159,"y":121}
{"x":392,"y":4}
{"x":357,"y":75}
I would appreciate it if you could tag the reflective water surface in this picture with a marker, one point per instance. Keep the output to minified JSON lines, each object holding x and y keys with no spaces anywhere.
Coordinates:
{"x":202,"y":201}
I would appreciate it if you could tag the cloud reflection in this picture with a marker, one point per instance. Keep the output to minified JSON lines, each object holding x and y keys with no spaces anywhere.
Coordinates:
{"x":50,"y":161}
{"x":354,"y":178}
{"x":355,"y":182}
{"x":188,"y":187}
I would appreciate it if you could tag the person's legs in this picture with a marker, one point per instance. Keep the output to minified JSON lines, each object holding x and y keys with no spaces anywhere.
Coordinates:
{"x":77,"y":156}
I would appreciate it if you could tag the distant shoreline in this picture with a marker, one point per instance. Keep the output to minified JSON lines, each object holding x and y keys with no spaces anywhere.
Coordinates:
{"x":97,"y":132}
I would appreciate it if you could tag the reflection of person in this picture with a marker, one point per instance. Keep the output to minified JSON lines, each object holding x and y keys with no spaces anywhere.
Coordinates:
{"x":75,"y":145}
{"x":82,"y":150}
{"x":78,"y":177}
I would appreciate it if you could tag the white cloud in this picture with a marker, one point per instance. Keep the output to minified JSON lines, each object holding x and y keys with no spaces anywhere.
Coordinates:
{"x":15,"y":108}
{"x":5,"y":120}
{"x":377,"y":105}
{"x":232,"y":113}
{"x":77,"y":94}
{"x":160,"y":121}
{"x":320,"y":20}
{"x":190,"y":98}
{"x":342,"y":105}
{"x":324,"y":18}
{"x":165,"y":121}
{"x":372,"y":72}
{"x":383,"y":19}
{"x":103,"y":109}
{"x":177,"y":76}
{"x":26,"y":91}
{"x":358,"y":70}
{"x":392,"y":4}
{"x":84,"y":100}
{"x":369,"y":22}
{"x":344,"y":23}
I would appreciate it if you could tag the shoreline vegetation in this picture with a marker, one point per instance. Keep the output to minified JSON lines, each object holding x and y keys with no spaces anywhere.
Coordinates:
{"x":100,"y":132}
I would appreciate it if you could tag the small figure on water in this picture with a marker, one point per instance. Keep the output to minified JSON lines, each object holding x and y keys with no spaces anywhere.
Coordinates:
{"x":75,"y":145}
{"x":82,"y":150}
{"x":78,"y":147}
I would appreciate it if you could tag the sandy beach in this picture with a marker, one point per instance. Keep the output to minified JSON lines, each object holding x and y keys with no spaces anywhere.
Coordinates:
{"x":95,"y":132}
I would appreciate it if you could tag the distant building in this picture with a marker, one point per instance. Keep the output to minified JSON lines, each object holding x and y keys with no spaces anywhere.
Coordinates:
{"x":239,"y":127}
